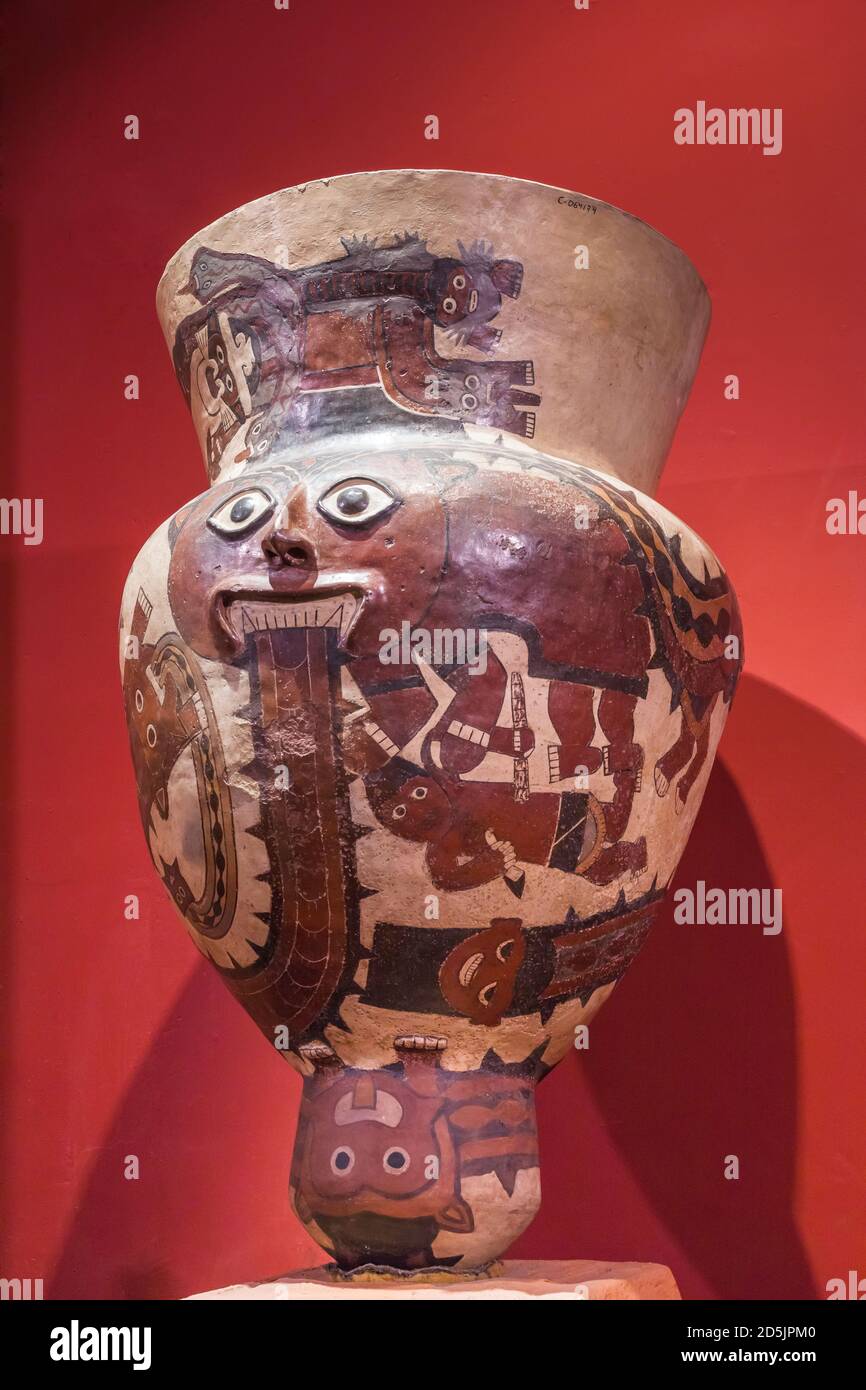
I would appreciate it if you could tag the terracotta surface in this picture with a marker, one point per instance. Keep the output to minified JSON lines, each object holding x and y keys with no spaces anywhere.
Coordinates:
{"x":592,"y":364}
{"x":422,"y":713}
{"x":561,"y":1280}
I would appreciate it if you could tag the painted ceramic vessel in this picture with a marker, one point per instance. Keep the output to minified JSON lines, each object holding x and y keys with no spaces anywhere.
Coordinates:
{"x":424,"y":690}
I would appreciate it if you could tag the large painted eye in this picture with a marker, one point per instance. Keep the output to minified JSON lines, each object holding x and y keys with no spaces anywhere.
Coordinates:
{"x":241,"y":512}
{"x":459,"y":282}
{"x":419,"y":793}
{"x":342,"y":1161}
{"x":398,"y":812}
{"x":449,"y":305}
{"x":395,"y":1161}
{"x":356,"y":502}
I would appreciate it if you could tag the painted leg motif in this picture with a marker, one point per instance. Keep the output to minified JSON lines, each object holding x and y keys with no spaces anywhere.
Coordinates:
{"x":674,"y":760}
{"x":687,"y":781}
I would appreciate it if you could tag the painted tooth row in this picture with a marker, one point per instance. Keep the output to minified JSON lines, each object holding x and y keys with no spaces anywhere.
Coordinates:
{"x":328,"y":611}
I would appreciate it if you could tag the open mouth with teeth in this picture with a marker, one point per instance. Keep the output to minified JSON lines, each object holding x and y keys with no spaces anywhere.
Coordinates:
{"x":240,"y":614}
{"x":470,"y":969}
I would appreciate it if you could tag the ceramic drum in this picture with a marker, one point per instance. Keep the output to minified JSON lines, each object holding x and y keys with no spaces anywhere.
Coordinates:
{"x":423,"y":692}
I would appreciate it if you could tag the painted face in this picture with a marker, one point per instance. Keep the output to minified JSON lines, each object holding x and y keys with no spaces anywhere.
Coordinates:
{"x":259,"y":436}
{"x":458,"y":297}
{"x":220,"y":367}
{"x":159,"y":728}
{"x":378,"y":1170}
{"x":340,"y":547}
{"x":221,"y":379}
{"x":372,"y":1134}
{"x":479,"y":975}
{"x":201,"y":277}
{"x":419,"y":810}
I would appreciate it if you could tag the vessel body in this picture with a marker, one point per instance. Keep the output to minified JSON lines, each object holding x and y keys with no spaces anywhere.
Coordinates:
{"x":424,"y":690}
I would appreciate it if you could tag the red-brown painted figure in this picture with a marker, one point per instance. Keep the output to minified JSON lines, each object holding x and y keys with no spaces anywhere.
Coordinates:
{"x":270,"y":346}
{"x":381,"y":1155}
{"x":478,"y":977}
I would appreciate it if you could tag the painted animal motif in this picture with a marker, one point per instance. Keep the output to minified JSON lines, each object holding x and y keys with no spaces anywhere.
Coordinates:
{"x":169,"y":712}
{"x":479,"y":976}
{"x":506,"y":970}
{"x":304,"y":816}
{"x":697,"y":632}
{"x":381,"y":1155}
{"x":269,"y":348}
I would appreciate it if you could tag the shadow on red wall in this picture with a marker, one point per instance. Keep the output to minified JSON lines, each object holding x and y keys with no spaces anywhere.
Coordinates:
{"x":697,"y":1057}
{"x":210,"y":1117}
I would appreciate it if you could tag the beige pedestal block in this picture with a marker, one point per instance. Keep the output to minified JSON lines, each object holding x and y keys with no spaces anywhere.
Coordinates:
{"x":510,"y":1279}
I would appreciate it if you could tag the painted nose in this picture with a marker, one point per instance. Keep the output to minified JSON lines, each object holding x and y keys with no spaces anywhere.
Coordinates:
{"x":290,"y":548}
{"x":364,"y":1097}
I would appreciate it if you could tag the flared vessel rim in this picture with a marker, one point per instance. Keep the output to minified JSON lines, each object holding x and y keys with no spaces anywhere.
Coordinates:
{"x":194,"y":240}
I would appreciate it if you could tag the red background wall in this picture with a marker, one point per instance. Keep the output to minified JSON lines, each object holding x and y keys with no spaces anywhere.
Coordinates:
{"x":116,"y":1039}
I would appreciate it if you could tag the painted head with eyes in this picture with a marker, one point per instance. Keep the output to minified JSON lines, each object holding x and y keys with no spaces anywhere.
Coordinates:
{"x":455,"y":295}
{"x":373,"y":528}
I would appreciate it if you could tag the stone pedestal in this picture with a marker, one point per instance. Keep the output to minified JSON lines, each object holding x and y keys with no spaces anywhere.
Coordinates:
{"x":509,"y":1279}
